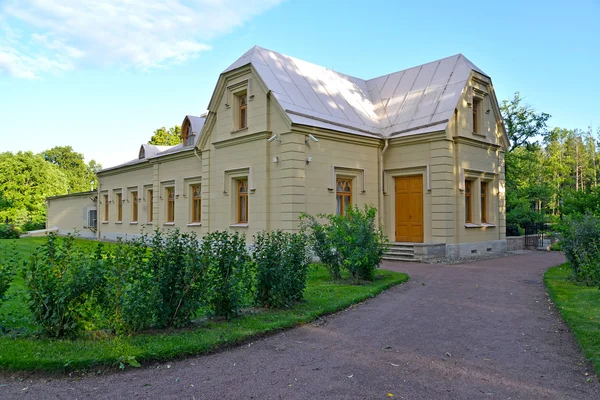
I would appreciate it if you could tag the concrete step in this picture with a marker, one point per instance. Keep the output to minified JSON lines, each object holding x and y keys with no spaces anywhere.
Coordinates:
{"x":401,"y":252}
{"x":400,"y":258}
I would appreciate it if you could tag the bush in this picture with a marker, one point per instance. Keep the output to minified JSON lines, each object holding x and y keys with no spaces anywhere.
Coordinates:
{"x":8,"y":266}
{"x":321,"y":242}
{"x":228,"y":272}
{"x":352,"y":240}
{"x":130,"y":299}
{"x":177,"y":264}
{"x":9,"y":231}
{"x":281,"y":263}
{"x":581,"y":244}
{"x":61,"y":278}
{"x":32,"y":226}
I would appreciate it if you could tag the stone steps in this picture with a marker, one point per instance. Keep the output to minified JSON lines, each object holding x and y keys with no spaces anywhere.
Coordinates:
{"x":401,"y":252}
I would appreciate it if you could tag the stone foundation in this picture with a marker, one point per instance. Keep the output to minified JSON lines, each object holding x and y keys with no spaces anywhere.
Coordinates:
{"x":476,"y":249}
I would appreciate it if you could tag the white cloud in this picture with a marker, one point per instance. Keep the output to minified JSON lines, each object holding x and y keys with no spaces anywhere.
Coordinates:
{"x":49,"y":36}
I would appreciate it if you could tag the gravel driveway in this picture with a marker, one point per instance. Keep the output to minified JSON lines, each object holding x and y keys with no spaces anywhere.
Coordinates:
{"x":472,"y":331}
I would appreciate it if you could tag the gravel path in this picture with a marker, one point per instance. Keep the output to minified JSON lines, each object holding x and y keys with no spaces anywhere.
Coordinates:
{"x":471,"y":331}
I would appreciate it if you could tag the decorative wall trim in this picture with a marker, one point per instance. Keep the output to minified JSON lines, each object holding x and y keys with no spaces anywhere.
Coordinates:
{"x":188,"y":181}
{"x":338,"y":170}
{"x":414,"y":170}
{"x":228,"y":174}
{"x":473,"y":173}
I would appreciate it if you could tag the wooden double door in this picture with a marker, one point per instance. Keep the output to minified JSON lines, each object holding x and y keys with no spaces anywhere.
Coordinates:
{"x":409,"y":208}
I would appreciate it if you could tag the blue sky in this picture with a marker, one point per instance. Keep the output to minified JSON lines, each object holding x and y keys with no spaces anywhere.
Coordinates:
{"x":102,"y":77}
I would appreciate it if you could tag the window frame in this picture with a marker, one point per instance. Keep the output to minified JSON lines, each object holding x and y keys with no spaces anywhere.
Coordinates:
{"x":483,"y":195}
{"x":150,"y":210}
{"x":170,"y":204}
{"x":242,"y":195}
{"x":476,"y":114}
{"x":196,"y":214}
{"x":119,"y":201}
{"x":134,"y":206}
{"x":469,"y":201}
{"x":343,"y":194}
{"x":242,"y":101}
{"x":106,"y":208}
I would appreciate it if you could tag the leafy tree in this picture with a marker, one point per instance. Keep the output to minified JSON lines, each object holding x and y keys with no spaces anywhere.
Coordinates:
{"x":521,"y":121}
{"x":81,"y":176}
{"x":166,"y":137}
{"x":26,"y":179}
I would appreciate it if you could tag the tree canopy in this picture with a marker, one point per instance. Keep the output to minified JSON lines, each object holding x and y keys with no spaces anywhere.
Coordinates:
{"x":26,"y":179}
{"x":81,"y":176}
{"x":166,"y":137}
{"x":548,"y":172}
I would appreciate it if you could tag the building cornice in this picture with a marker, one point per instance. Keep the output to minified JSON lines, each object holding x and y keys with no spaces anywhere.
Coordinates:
{"x":476,"y":143}
{"x":417,"y":138}
{"x":242,"y":139}
{"x":337,"y":136}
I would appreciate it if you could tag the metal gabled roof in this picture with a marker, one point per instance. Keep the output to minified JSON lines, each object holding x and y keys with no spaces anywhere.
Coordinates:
{"x":421,"y":98}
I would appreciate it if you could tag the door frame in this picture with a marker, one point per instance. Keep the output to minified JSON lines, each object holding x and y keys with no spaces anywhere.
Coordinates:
{"x":394,"y":203}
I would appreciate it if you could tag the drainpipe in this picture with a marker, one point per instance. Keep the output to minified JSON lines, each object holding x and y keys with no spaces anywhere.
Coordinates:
{"x":196,"y":154}
{"x":381,"y":177}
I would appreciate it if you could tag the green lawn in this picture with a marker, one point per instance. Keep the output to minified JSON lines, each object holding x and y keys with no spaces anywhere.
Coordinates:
{"x":23,"y":351}
{"x":579,"y":307}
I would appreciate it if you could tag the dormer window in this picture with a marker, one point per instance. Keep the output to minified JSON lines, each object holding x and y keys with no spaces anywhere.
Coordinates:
{"x":243,"y":111}
{"x":187,"y":135}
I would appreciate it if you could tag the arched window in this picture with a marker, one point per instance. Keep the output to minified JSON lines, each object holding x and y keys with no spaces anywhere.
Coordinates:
{"x":243,"y":117}
{"x":343,"y":195}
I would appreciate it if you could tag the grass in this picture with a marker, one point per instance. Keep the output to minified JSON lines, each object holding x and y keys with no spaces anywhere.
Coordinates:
{"x":25,"y":352}
{"x":579,"y":307}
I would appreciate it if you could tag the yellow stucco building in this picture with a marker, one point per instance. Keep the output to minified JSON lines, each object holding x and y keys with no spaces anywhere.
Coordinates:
{"x":283,"y":136}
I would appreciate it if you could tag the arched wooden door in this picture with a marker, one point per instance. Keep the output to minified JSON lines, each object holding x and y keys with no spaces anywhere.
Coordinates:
{"x":409,"y":208}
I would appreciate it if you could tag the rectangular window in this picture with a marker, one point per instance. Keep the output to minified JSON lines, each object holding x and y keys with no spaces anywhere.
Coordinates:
{"x":105,"y":201}
{"x":119,"y":207}
{"x":476,"y":103}
{"x":468,"y":203}
{"x":243,"y":107}
{"x":134,"y":206}
{"x":243,"y":201}
{"x":170,"y":204}
{"x":343,"y":195}
{"x":150,"y":205}
{"x":484,"y":202}
{"x":196,"y":203}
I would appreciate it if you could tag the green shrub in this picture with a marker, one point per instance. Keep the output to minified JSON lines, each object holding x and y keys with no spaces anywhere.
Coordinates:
{"x":60,"y":278}
{"x":228,"y":272}
{"x":352,"y":241}
{"x":8,"y":267}
{"x":177,"y":264}
{"x":281,"y":262}
{"x":9,"y":231}
{"x":130,"y":299}
{"x":32,"y":226}
{"x":581,"y":244}
{"x":556,"y":246}
{"x":321,"y":242}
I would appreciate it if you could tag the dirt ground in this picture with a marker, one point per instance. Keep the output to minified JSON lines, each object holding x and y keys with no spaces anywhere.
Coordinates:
{"x":471,"y":331}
